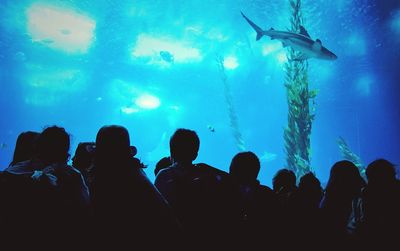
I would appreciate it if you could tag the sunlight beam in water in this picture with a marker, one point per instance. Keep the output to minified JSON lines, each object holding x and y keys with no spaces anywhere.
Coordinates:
{"x":395,"y":24}
{"x":148,"y":47}
{"x":147,"y":101}
{"x":275,"y":50}
{"x":356,"y":44}
{"x":271,"y":47}
{"x":364,"y":85}
{"x":45,"y":88}
{"x":129,"y":110}
{"x":281,"y":57}
{"x":231,"y":63}
{"x":131,"y":98}
{"x":60,"y":28}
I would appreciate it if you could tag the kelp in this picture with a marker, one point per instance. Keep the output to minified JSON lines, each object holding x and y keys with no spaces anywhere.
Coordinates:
{"x":233,"y":119}
{"x":349,"y":155}
{"x":300,"y":112}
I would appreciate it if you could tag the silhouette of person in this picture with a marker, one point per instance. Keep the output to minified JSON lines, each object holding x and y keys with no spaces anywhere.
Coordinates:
{"x":83,"y":160}
{"x":306,"y":212}
{"x":127,"y":207}
{"x":380,"y":204}
{"x":198,"y":193}
{"x":24,"y":147}
{"x":161,"y":164}
{"x":309,"y":193}
{"x":257,"y":204}
{"x":342,"y":193}
{"x":284,"y":185}
{"x":45,"y":196}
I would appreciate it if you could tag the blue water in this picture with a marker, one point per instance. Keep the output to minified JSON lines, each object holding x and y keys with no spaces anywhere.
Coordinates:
{"x":83,"y":64}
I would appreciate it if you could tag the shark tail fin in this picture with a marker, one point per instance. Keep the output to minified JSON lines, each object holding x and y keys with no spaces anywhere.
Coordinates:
{"x":255,"y":27}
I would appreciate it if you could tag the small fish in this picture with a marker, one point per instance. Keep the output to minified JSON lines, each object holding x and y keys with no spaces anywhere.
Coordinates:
{"x":47,"y":41}
{"x":167,"y":56}
{"x":65,"y":31}
{"x":211,"y":128}
{"x":3,"y":145}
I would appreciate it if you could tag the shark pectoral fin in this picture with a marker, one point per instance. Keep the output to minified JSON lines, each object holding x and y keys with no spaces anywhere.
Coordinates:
{"x":317,"y":45}
{"x":303,"y":31}
{"x":300,"y":58}
{"x":272,"y":29}
{"x":284,"y":44}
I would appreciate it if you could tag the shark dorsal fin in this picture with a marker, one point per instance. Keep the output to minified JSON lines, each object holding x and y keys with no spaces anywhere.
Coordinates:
{"x":303,"y":31}
{"x":317,"y":44}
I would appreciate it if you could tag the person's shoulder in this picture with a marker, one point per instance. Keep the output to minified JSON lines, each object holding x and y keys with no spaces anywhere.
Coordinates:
{"x":203,"y":167}
{"x":266,"y":189}
{"x":397,"y":186}
{"x":267,"y":195}
{"x":167,"y":173}
{"x":23,"y":167}
{"x":171,"y":170}
{"x":64,"y":172}
{"x":65,"y":168}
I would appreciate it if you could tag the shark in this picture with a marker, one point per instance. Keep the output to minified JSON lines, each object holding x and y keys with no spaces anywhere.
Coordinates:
{"x":301,"y":42}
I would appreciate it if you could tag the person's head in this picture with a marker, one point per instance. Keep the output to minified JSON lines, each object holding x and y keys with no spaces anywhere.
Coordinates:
{"x":310,"y":186}
{"x":309,"y":182}
{"x":245,"y":167}
{"x":284,"y":180}
{"x":184,"y":146}
{"x":162,"y":164}
{"x":24,"y":147}
{"x":344,"y":179}
{"x":53,"y":145}
{"x":84,"y":156}
{"x":113,"y":144}
{"x":381,"y":171}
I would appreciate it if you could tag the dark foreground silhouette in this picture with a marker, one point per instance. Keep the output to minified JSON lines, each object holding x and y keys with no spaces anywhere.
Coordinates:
{"x":105,"y":200}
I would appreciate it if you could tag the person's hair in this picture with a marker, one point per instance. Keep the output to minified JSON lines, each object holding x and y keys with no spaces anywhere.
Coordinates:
{"x":84,"y":155}
{"x":113,"y":143}
{"x":184,"y":145}
{"x":344,"y":179}
{"x":284,"y":179}
{"x":309,"y":182}
{"x":245,"y":166}
{"x":25,"y":146}
{"x":162,"y":164}
{"x":381,"y":170}
{"x":53,"y":145}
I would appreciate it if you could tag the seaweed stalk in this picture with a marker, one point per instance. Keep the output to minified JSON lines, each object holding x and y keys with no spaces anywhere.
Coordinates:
{"x":349,"y":155}
{"x":300,"y":115}
{"x":233,"y":120}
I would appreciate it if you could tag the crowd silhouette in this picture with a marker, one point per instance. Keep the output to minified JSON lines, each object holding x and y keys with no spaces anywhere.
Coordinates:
{"x":105,"y":200}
